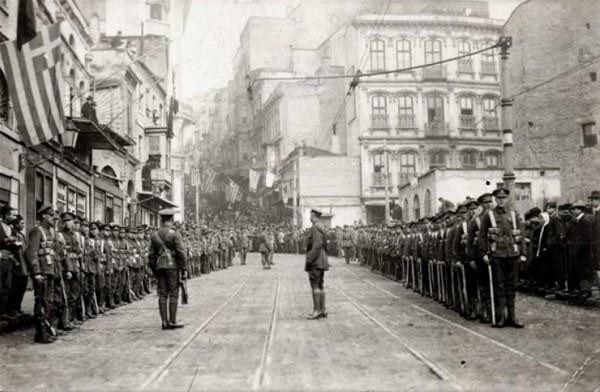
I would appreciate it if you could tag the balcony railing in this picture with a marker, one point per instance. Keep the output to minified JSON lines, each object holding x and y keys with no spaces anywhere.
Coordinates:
{"x":160,"y":175}
{"x":467,"y":122}
{"x":436,"y":129}
{"x":378,"y":180}
{"x":465,"y":66}
{"x":488,"y":68}
{"x":491,"y":124}
{"x":436,"y":72}
{"x":404,"y":178}
{"x":406,"y":121}
{"x":380,"y":121}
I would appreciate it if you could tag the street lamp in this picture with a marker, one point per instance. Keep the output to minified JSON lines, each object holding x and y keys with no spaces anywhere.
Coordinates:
{"x":69,"y":137}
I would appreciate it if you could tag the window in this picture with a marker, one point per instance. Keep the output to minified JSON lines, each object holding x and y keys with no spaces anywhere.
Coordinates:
{"x":5,"y":116}
{"x":408,"y":166}
{"x":153,"y":144}
{"x":129,"y":119}
{"x":468,"y":159}
{"x":488,"y":61}
{"x":590,"y":137}
{"x":377,"y":49}
{"x":492,"y":159}
{"x":156,"y":12}
{"x":108,"y":212}
{"x":406,"y":112}
{"x":379,"y":111}
{"x":433,"y":51}
{"x":435,"y":112}
{"x":437,"y":159}
{"x":417,"y":208}
{"x":466,"y":106}
{"x":465,"y":65}
{"x":378,"y":162}
{"x":9,"y":191}
{"x":522,"y":191}
{"x":464,"y":48}
{"x":61,"y":197}
{"x":490,"y":107}
{"x":334,"y":129}
{"x":72,"y":201}
{"x":427,"y":202}
{"x":405,"y":211}
{"x":403,"y":54}
{"x":99,"y":205}
{"x":118,"y":210}
{"x":81,"y":205}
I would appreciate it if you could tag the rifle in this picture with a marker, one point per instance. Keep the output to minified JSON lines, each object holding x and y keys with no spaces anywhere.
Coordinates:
{"x":184,"y":293}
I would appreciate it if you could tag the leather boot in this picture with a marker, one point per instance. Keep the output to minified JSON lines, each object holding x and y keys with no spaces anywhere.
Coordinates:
{"x":173,"y":324}
{"x":162,"y":309}
{"x":512,"y":321}
{"x":323,"y":313}
{"x":316,"y":305}
{"x":500,"y":318}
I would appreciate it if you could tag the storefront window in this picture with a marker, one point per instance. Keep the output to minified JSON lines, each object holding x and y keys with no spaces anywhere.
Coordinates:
{"x":9,"y":191}
{"x":109,"y":212}
{"x":99,"y":206}
{"x":72,"y":201}
{"x":61,"y":197}
{"x":118,"y":210}
{"x":81,"y":205}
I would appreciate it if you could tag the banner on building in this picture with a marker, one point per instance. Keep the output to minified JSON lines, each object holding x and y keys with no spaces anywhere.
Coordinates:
{"x":35,"y":84}
{"x":232,"y":192}
{"x":207,"y":179}
{"x":269,"y":179}
{"x":253,"y":181}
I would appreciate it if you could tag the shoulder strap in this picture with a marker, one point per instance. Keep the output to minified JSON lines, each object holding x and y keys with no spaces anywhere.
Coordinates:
{"x":513,"y":215}
{"x":161,"y":242}
{"x":492,"y":218}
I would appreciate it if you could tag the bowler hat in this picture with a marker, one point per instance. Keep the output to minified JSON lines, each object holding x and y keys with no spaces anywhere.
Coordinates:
{"x":595,"y":195}
{"x":579,"y":204}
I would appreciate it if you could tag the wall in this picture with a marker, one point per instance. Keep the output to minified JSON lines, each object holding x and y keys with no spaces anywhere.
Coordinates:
{"x":548,"y":120}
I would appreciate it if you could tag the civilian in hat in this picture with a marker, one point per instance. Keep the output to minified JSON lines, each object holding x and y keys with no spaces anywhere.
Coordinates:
{"x":580,"y":237}
{"x":500,"y":241}
{"x":317,"y":264}
{"x":20,"y":272}
{"x":551,"y":248}
{"x":167,"y":259}
{"x":88,"y":110}
{"x":7,"y":257}
{"x":595,"y":200}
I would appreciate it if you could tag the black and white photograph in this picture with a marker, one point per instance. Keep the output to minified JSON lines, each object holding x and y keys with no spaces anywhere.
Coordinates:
{"x":300,"y":195}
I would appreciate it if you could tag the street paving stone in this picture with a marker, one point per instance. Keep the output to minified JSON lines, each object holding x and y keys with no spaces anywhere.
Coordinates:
{"x":246,"y":329}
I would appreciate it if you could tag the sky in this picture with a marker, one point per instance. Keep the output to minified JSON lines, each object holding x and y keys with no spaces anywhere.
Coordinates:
{"x":213,"y":32}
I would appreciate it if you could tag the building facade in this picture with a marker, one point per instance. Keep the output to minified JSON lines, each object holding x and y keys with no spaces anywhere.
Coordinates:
{"x":554,"y":80}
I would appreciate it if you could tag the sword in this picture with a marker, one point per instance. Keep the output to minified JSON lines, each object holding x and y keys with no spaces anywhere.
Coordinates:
{"x":492,"y":294}
{"x":464,"y":290}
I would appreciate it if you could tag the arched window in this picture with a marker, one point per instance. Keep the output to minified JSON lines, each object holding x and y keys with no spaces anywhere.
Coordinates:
{"x":433,"y":54}
{"x":468,"y":158}
{"x":438,"y":159}
{"x":406,"y":112}
{"x":427,"y":202}
{"x":465,"y":65}
{"x":435,"y":115}
{"x":4,"y":101}
{"x":403,"y":54}
{"x":493,"y":159}
{"x":111,"y":174}
{"x":417,"y":207}
{"x":379,"y":114}
{"x":408,"y":166}
{"x":405,"y":211}
{"x":377,"y":52}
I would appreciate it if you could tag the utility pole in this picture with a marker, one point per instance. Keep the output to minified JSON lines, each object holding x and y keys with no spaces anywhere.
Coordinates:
{"x":506,"y":121}
{"x":295,"y":192}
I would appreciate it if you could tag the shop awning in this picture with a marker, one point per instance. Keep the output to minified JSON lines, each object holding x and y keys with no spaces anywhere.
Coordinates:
{"x":154,"y":202}
{"x":93,"y":135}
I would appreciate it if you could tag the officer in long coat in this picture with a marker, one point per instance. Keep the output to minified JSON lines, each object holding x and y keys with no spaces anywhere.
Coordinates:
{"x":595,"y":199}
{"x":580,"y":237}
{"x":317,"y":264}
{"x":168,"y":262}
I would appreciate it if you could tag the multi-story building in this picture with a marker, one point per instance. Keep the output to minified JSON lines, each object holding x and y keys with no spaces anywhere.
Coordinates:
{"x":402,"y":124}
{"x":554,"y":80}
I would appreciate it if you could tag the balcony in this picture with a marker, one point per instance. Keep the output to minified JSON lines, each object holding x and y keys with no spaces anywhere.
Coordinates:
{"x":160,"y":176}
{"x":406,"y":121}
{"x":380,"y":121}
{"x":433,"y":73}
{"x":465,"y":66}
{"x":467,"y":123}
{"x":488,"y":68}
{"x":378,"y":180}
{"x":436,"y":129}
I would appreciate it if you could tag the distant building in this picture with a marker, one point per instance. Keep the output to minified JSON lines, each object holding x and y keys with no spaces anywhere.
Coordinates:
{"x":553,"y":74}
{"x":534,"y":187}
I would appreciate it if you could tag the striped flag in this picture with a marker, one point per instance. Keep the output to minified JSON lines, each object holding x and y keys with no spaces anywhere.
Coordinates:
{"x":207,"y":179}
{"x":254,"y":179}
{"x":195,"y":176}
{"x":35,"y":82}
{"x":232,"y":193}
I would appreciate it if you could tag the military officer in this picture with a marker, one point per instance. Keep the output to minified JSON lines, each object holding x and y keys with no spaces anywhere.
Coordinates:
{"x":500,"y":241}
{"x":580,"y":238}
{"x":167,"y":261}
{"x":316,"y":264}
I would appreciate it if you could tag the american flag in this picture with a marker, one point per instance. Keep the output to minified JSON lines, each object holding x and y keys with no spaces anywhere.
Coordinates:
{"x":207,"y":179}
{"x":35,"y":85}
{"x":254,"y":178}
{"x":232,"y":193}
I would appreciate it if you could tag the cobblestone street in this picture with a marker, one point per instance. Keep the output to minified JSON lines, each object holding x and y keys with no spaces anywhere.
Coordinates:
{"x":246,"y":330}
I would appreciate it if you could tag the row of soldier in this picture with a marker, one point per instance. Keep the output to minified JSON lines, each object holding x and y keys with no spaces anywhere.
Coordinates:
{"x":81,"y":269}
{"x":470,"y":259}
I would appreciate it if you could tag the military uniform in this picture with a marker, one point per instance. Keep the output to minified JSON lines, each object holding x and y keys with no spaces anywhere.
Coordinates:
{"x":316,"y":264}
